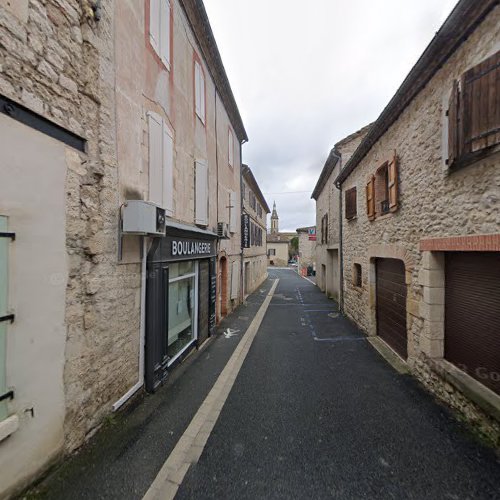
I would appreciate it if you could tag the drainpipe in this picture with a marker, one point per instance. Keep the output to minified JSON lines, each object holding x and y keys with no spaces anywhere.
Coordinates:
{"x":341,"y":252}
{"x":142,"y":335}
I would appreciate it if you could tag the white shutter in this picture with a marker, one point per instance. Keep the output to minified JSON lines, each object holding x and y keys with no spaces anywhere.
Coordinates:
{"x":231,"y":148}
{"x":235,"y":279}
{"x":201,"y":193}
{"x":155,"y":159}
{"x":232,"y":212}
{"x":154,"y":24}
{"x":165,"y":32}
{"x":168,"y":170}
{"x":202,"y":96}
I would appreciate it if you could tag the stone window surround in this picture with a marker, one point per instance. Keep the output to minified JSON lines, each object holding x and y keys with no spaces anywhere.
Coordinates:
{"x":432,"y":310}
{"x":357,"y":273}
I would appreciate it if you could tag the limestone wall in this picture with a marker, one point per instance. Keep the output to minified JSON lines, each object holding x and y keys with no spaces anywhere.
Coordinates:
{"x":433,"y":202}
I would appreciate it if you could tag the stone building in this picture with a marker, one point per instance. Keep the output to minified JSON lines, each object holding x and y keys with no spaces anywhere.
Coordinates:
{"x":328,"y":202}
{"x":421,"y":218}
{"x":254,"y":218}
{"x":278,"y":244}
{"x":307,"y":248}
{"x":108,"y":109}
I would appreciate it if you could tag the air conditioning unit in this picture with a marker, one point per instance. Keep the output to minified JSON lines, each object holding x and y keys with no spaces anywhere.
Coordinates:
{"x":143,"y":217}
{"x":223,"y":230}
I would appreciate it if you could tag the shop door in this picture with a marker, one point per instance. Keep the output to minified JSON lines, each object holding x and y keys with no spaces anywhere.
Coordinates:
{"x":391,"y":304}
{"x":472,"y":315}
{"x":204,"y":301}
{"x":156,"y":362}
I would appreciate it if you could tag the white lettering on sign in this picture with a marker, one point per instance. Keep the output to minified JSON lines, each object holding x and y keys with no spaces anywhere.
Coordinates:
{"x":180,"y":248}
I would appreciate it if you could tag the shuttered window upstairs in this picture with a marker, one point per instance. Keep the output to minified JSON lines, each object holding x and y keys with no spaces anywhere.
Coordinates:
{"x":201,"y":193}
{"x":474,"y":113}
{"x":159,"y":29}
{"x":199,"y":91}
{"x":351,"y":209}
{"x":231,"y":149}
{"x":235,"y":279}
{"x":370,"y":198}
{"x":161,"y":163}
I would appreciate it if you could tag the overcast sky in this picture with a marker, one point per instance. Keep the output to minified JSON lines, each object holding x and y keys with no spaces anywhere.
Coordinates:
{"x":306,"y":74}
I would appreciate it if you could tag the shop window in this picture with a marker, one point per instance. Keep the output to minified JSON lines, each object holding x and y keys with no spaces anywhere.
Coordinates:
{"x":473,"y":124}
{"x":351,"y":209}
{"x":357,"y":278}
{"x":181,"y":307}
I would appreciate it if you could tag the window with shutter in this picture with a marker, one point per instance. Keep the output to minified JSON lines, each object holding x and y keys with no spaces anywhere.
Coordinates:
{"x":351,"y":209}
{"x":473,"y":113}
{"x":161,"y":163}
{"x":155,"y":159}
{"x":370,"y":198}
{"x":232,"y":212}
{"x":4,"y":275}
{"x":168,"y":170}
{"x":201,"y":193}
{"x":231,"y":148}
{"x":199,"y":91}
{"x":392,"y":177}
{"x":159,"y":29}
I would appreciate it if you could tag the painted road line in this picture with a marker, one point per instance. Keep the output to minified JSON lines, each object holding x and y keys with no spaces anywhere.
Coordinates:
{"x":190,"y":446}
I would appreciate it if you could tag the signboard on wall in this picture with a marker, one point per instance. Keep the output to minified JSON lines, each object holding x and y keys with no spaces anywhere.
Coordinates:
{"x":311,"y":232}
{"x":245,"y":231}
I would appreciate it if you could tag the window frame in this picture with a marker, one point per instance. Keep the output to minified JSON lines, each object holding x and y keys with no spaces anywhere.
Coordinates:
{"x":161,"y":41}
{"x":199,"y":91}
{"x":353,"y":212}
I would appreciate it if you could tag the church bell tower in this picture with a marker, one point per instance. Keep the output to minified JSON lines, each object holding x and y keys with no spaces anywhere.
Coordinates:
{"x":274,"y":220}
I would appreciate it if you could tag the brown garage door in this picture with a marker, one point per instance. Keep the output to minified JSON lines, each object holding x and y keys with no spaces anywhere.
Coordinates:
{"x":472,"y":315}
{"x":391,"y":304}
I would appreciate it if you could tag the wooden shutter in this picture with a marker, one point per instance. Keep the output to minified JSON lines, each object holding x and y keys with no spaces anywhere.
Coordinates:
{"x":4,"y":274}
{"x":350,"y":203}
{"x":231,"y":149}
{"x":481,"y":112}
{"x":201,"y":193}
{"x":235,"y":279}
{"x":453,"y":124}
{"x":155,"y":159}
{"x":232,"y":211}
{"x":392,"y":174}
{"x":168,"y":170}
{"x":154,"y":24}
{"x":370,"y":198}
{"x":165,"y":32}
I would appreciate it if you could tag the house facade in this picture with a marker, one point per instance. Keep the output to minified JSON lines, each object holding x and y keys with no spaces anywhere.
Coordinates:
{"x":254,"y":218}
{"x":111,"y":112}
{"x":278,"y":244}
{"x":307,"y":248}
{"x":421,"y":218}
{"x":328,"y":201}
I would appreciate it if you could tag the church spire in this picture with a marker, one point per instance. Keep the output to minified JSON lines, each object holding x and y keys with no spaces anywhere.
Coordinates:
{"x":274,"y":220}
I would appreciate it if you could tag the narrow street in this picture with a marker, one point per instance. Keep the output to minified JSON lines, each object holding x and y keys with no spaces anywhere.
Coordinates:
{"x":315,"y":412}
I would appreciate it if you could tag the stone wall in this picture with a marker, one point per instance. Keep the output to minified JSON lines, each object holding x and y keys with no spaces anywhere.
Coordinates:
{"x":433,"y":202}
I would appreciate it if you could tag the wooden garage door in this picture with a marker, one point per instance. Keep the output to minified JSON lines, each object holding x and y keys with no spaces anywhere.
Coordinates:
{"x":391,"y":304}
{"x":472,"y":315}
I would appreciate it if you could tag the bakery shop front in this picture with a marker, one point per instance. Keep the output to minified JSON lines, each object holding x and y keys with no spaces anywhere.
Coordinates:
{"x":180,"y":297}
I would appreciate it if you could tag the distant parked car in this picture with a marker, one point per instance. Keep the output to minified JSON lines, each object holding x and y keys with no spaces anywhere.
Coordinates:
{"x":292,"y":263}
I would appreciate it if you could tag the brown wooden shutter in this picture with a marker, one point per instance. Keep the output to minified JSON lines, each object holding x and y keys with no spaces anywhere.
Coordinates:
{"x":481,"y":112}
{"x":350,"y":203}
{"x":392,"y":173}
{"x":370,"y":198}
{"x":453,"y":125}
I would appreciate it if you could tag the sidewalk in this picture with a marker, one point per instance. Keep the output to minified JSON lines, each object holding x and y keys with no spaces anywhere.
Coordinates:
{"x":124,"y":457}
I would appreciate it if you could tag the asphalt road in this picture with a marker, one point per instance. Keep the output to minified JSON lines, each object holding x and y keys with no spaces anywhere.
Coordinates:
{"x":316,"y":413}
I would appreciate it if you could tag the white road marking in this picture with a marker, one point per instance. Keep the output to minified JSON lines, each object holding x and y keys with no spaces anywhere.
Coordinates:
{"x":230,"y":333}
{"x":191,"y":444}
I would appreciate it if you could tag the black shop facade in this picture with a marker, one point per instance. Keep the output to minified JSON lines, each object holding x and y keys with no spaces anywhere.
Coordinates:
{"x":180,"y":298}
